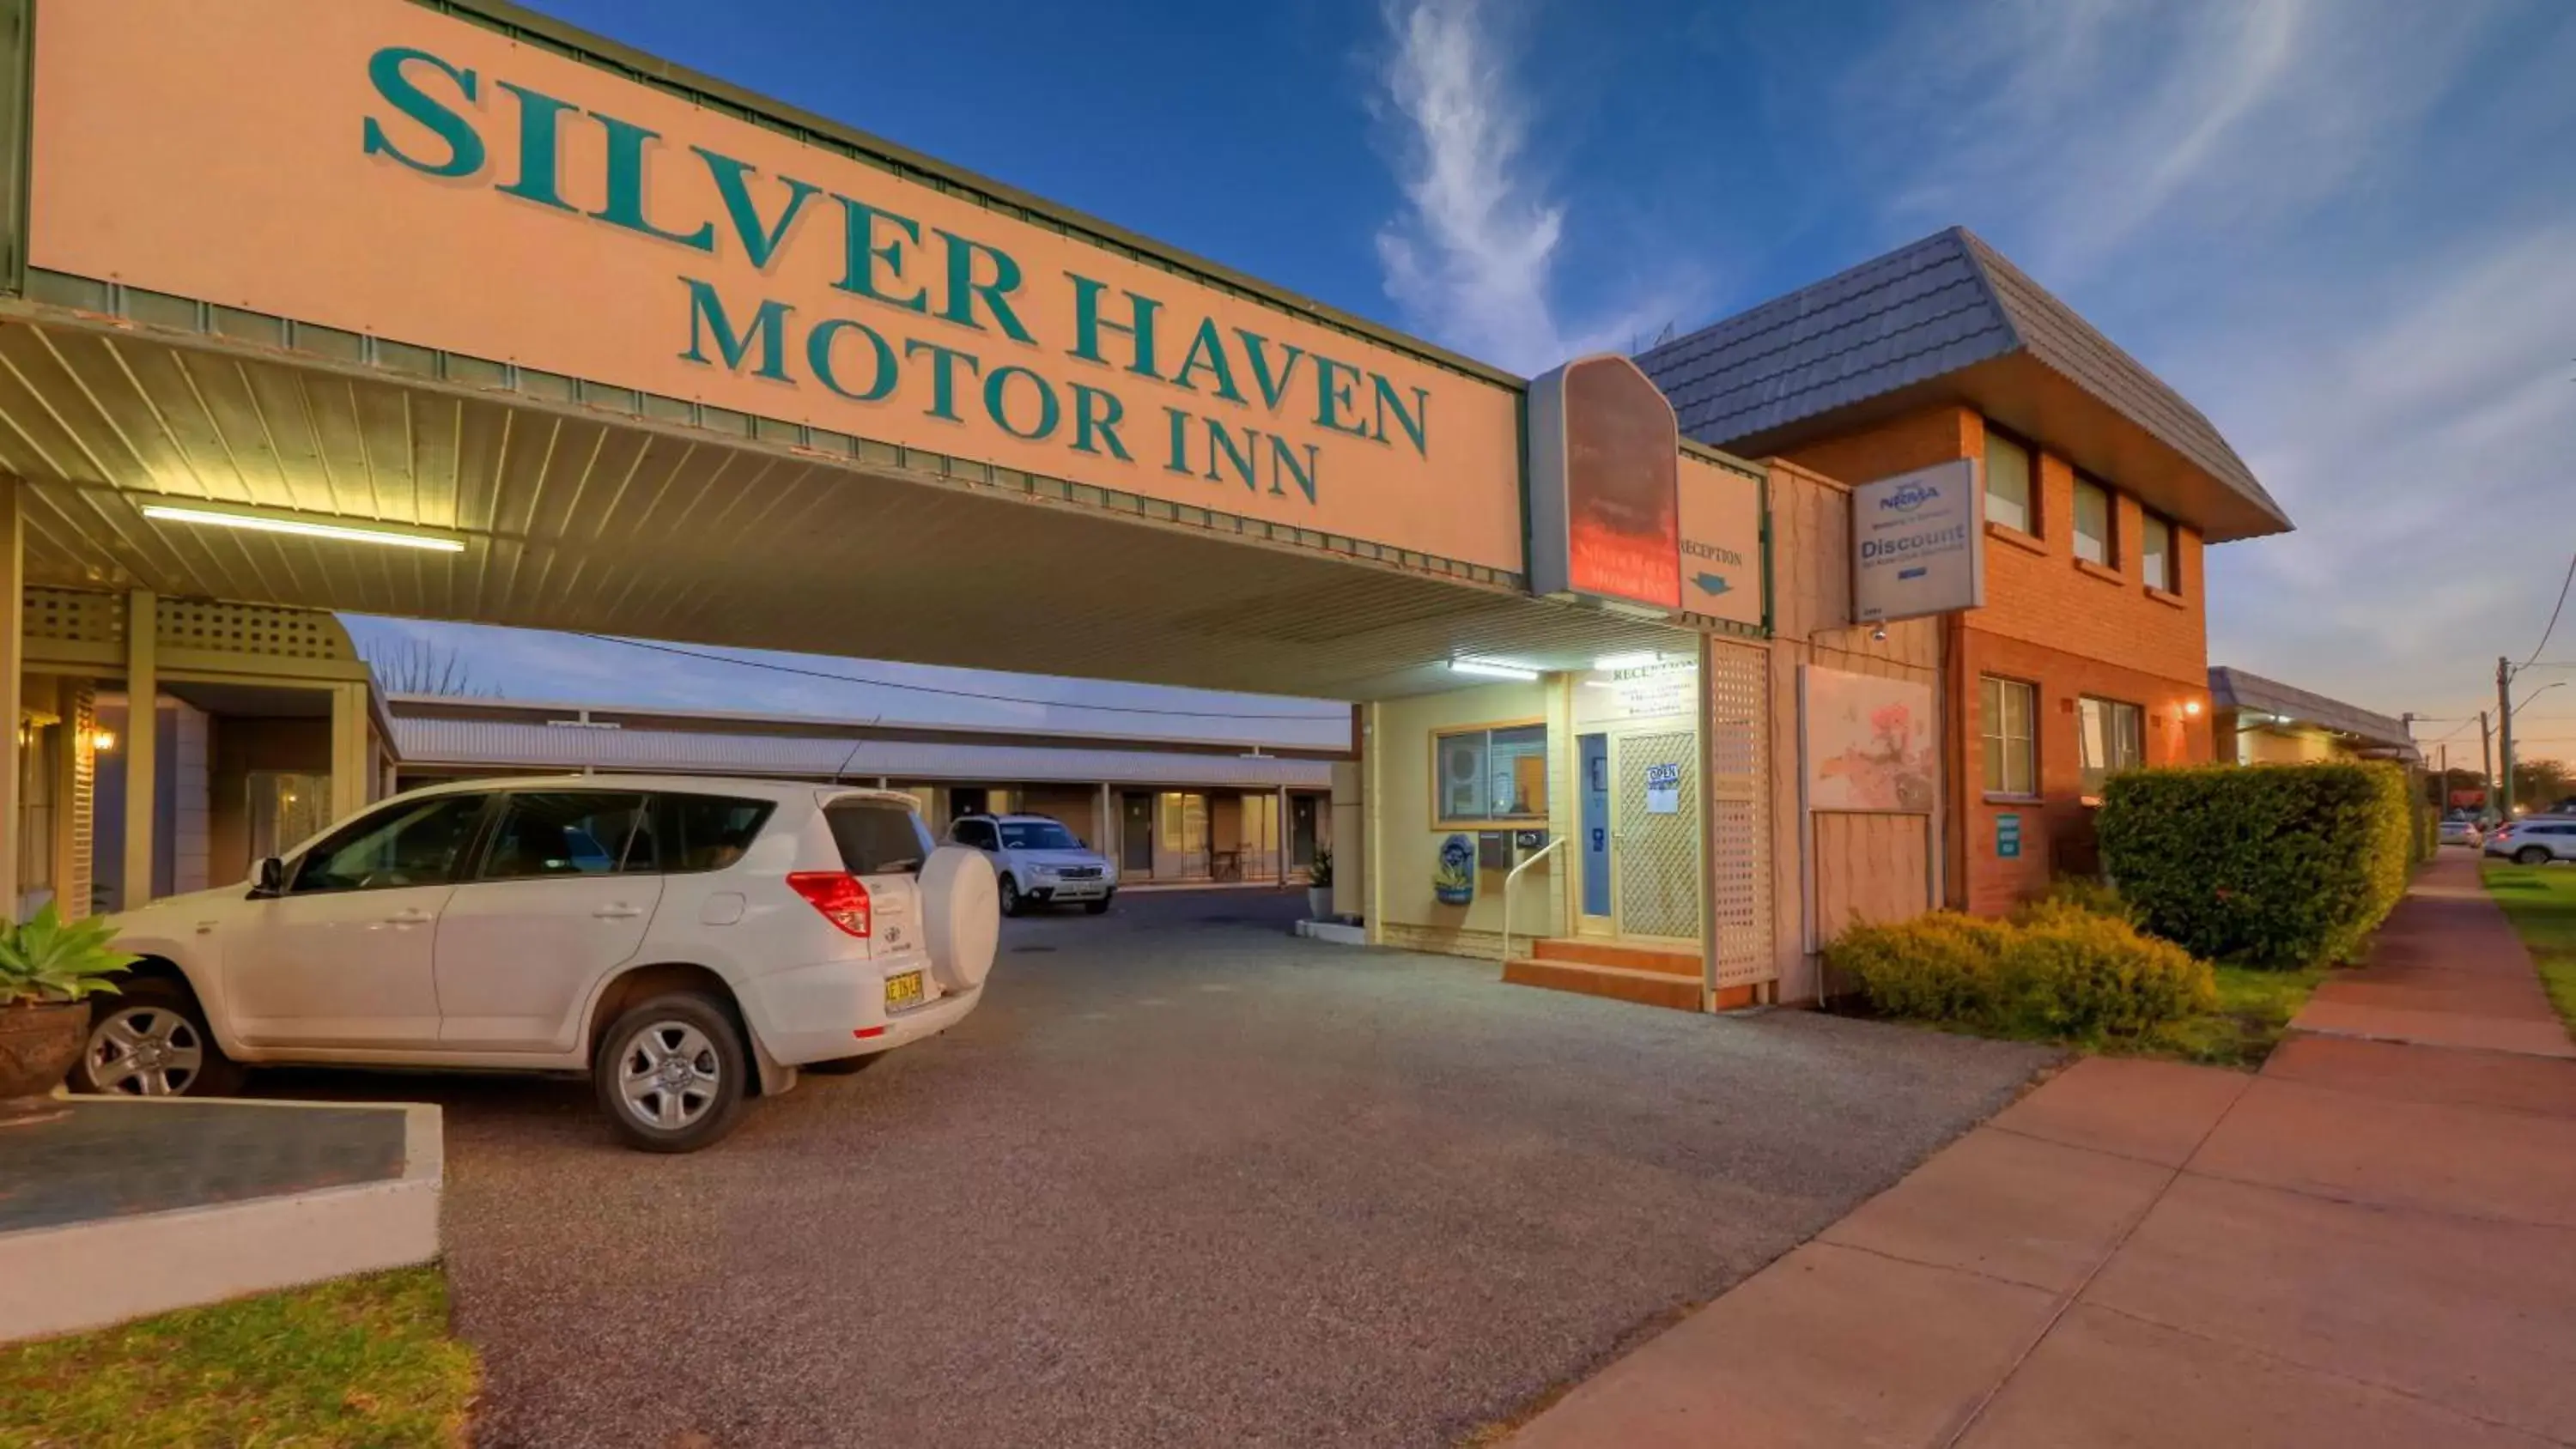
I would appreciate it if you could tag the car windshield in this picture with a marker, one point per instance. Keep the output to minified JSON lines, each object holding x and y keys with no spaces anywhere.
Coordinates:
{"x":1038,"y":835}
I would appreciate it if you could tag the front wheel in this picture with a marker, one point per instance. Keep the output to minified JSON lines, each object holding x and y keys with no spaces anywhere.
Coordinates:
{"x":1099,"y":907}
{"x":1012,"y":902}
{"x":670,"y":1073}
{"x":2532,"y":855}
{"x":150,"y":1039}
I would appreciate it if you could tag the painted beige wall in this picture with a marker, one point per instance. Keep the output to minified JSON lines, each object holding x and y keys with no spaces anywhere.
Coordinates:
{"x":2279,"y":747}
{"x":1811,"y":622}
{"x":1409,"y":845}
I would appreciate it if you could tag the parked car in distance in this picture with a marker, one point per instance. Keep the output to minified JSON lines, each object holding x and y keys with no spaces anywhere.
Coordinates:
{"x":1036,"y":861}
{"x":2461,"y":830}
{"x":687,"y":942}
{"x":2534,"y":839}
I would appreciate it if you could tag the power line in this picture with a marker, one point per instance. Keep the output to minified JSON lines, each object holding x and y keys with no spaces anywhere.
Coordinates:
{"x":950,"y":693}
{"x":2554,"y":611}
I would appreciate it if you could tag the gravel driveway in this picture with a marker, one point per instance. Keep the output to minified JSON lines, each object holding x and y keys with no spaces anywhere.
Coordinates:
{"x":1183,"y":1180}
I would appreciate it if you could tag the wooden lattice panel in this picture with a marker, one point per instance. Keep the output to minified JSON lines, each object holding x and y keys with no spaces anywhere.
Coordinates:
{"x":78,"y":815}
{"x":1739,"y":748}
{"x":254,"y":629}
{"x":75,"y":616}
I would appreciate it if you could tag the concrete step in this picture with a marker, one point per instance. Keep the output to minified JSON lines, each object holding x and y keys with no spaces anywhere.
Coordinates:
{"x":1627,"y":955}
{"x":1620,"y":983}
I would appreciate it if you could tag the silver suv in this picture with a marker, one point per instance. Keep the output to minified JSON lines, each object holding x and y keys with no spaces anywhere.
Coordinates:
{"x":1036,"y":861}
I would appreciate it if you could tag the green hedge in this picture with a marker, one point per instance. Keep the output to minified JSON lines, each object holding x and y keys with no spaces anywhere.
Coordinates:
{"x":2056,"y":970}
{"x":2272,"y":865}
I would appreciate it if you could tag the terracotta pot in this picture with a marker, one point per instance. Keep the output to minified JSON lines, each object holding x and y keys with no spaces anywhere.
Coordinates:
{"x":38,"y":1044}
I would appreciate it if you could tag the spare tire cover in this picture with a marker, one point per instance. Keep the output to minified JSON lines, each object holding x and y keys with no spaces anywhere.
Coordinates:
{"x":961,"y":911}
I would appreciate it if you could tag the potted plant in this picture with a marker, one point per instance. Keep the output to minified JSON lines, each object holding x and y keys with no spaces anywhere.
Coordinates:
{"x":48,"y":969}
{"x":1319,"y":885}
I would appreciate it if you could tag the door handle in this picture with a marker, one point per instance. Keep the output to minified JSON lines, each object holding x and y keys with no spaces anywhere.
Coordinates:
{"x":409,"y":917}
{"x":618,"y":912}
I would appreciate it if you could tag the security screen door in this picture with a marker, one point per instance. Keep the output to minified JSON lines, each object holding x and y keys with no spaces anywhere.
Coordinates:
{"x":1655,"y":862}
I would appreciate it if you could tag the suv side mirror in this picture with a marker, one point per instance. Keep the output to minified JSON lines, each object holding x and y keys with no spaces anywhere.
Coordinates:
{"x":269,"y":878}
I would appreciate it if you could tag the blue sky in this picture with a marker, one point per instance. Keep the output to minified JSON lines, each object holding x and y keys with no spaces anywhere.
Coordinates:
{"x":2345,"y":228}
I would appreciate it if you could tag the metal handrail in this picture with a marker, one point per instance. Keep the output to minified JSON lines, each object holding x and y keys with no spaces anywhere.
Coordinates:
{"x":1513,"y":878}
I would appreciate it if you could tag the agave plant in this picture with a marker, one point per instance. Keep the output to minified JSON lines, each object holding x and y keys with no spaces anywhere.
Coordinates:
{"x":51,"y":960}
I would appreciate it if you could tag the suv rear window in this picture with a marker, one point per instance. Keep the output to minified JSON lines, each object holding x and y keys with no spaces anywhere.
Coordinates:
{"x":877,"y":838}
{"x":708,"y":832}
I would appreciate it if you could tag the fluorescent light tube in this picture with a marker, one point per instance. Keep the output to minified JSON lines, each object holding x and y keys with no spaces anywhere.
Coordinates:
{"x":301,"y":527}
{"x":1640,"y":659}
{"x":1491,"y":671}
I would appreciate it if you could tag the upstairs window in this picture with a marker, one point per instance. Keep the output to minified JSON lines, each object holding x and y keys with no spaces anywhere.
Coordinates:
{"x":2155,"y":554}
{"x":2008,"y":478}
{"x":2093,"y":522}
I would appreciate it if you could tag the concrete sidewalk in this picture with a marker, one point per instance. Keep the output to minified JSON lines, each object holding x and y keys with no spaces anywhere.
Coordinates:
{"x":2371,"y":1243}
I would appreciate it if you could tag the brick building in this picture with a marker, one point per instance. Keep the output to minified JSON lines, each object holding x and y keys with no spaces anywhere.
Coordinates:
{"x":2103,"y":486}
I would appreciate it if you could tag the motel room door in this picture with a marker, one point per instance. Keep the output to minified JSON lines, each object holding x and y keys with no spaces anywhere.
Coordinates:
{"x":1654,"y":833}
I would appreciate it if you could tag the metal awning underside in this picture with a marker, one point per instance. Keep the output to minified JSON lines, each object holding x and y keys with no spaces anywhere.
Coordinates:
{"x":486,"y":744}
{"x":2235,"y":689}
{"x":577,"y":517}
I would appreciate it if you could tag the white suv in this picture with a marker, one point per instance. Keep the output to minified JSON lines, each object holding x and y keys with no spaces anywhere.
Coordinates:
{"x":1038,"y":861}
{"x":687,"y":942}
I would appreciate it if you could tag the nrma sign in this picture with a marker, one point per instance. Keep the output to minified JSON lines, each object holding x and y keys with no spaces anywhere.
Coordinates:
{"x":1908,"y":497}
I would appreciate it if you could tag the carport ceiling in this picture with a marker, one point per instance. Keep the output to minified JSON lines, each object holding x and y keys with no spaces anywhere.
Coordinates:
{"x":583,"y":519}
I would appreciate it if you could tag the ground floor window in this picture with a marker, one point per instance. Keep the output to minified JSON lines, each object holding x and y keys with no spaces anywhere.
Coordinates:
{"x":2113,"y":737}
{"x":1489,"y":773}
{"x":2006,"y":711}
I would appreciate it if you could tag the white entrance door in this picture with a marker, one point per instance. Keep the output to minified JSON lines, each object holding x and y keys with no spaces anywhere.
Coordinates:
{"x":1655,"y":833}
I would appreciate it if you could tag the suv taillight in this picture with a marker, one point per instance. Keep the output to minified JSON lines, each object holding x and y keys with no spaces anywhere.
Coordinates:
{"x":837,"y":894}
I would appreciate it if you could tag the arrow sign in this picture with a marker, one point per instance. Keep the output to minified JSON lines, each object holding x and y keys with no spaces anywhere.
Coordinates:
{"x":1712,"y":583}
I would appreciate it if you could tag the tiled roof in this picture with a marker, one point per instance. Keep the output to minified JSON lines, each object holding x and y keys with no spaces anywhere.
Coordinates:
{"x":1919,"y":313}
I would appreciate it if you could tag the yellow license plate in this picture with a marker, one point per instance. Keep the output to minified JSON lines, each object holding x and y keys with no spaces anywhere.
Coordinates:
{"x":904,"y":990}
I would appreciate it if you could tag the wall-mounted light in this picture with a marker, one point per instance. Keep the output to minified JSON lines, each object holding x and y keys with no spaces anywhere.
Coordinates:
{"x":102,"y":739}
{"x":1491,"y":671}
{"x":2191,"y":709}
{"x":300,"y":527}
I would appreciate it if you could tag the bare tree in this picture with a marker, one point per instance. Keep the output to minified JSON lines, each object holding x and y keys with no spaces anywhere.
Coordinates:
{"x":421,"y":667}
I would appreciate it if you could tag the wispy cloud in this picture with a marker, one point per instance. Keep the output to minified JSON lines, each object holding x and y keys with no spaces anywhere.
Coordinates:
{"x":1472,"y":259}
{"x":2340,"y":228}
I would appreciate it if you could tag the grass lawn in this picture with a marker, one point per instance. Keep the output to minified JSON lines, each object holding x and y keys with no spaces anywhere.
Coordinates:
{"x":356,"y":1361}
{"x":2254,"y":1010}
{"x":2540,"y":900}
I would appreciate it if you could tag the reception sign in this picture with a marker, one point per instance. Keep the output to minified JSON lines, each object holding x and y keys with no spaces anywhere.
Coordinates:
{"x":1605,"y":508}
{"x":380,"y":167}
{"x":1721,"y":542}
{"x":1919,"y":543}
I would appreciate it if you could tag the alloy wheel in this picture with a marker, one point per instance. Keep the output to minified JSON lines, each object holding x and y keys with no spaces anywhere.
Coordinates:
{"x":669,"y":1075}
{"x":146,"y":1051}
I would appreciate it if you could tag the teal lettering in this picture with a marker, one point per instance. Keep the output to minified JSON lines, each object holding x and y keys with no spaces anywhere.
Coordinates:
{"x":768,"y":327}
{"x":627,"y":143}
{"x":1414,"y":421}
{"x":760,"y":240}
{"x":1104,"y":422}
{"x":1179,"y":461}
{"x":862,"y":254}
{"x":1272,"y":388}
{"x":1221,"y":440}
{"x":963,"y":289}
{"x":1333,"y":397}
{"x":1049,"y":411}
{"x":1088,"y":325}
{"x":1283,"y":458}
{"x":943,"y":375}
{"x":818,"y":356}
{"x":540,"y":147}
{"x":1207,"y":354}
{"x":464,"y":147}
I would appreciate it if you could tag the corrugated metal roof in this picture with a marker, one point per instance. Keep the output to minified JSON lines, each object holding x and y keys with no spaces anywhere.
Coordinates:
{"x":1922,"y":312}
{"x":481,"y":743}
{"x":2236,"y":689}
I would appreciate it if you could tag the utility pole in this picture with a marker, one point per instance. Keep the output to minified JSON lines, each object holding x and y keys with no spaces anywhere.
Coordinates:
{"x":2486,"y":760}
{"x":2504,"y":731}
